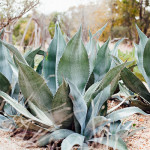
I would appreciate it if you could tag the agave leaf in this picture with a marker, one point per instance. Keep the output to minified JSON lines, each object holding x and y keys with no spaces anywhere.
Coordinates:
{"x":40,"y":68}
{"x":90,"y":91}
{"x":4,"y":84}
{"x":97,"y":103}
{"x":92,"y":48}
{"x":54,"y":54}
{"x":20,"y":108}
{"x":79,"y":105}
{"x":134,"y":131}
{"x":99,"y":32}
{"x":2,"y":31}
{"x":103,"y":62}
{"x":30,"y":57}
{"x":74,"y":63}
{"x":115,"y":107}
{"x":126,"y":126}
{"x":71,"y":140}
{"x":143,"y":37}
{"x":135,"y":84}
{"x":34,"y":88}
{"x":56,"y":135}
{"x":94,"y":123}
{"x":62,"y":107}
{"x":112,"y":141}
{"x":39,"y":113}
{"x":146,"y":60}
{"x":5,"y":68}
{"x":114,"y":126}
{"x":14,"y":51}
{"x":112,"y":78}
{"x":6,"y":124}
{"x":123,"y":113}
{"x":139,"y":51}
{"x":90,"y":34}
{"x":115,"y":52}
{"x":90,"y":81}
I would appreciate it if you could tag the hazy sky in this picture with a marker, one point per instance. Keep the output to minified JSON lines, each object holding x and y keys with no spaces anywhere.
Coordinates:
{"x":48,"y":6}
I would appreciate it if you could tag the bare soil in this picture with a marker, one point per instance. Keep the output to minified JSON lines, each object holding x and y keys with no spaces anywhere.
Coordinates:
{"x":139,"y":141}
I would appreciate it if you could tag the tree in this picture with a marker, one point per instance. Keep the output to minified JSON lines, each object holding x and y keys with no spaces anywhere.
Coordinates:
{"x":12,"y":10}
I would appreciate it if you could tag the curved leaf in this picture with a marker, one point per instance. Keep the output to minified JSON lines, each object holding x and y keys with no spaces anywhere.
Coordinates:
{"x":94,"y":123}
{"x":30,"y":57}
{"x":79,"y":105}
{"x":112,"y":78}
{"x":62,"y":107}
{"x":92,"y":48}
{"x":20,"y":108}
{"x":14,"y":51}
{"x":5,"y":68}
{"x":113,"y":141}
{"x":54,"y":54}
{"x":71,"y":140}
{"x":90,"y":91}
{"x":103,"y":62}
{"x":139,"y":51}
{"x":34,"y":88}
{"x":38,"y":113}
{"x":146,"y":60}
{"x":56,"y":135}
{"x":74,"y":64}
{"x":4,"y":84}
{"x":114,"y":52}
{"x":40,"y":68}
{"x":135,"y":84}
{"x":97,"y":103}
{"x":123,"y":113}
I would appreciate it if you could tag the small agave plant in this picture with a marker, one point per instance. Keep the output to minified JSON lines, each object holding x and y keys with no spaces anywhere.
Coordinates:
{"x":68,"y":93}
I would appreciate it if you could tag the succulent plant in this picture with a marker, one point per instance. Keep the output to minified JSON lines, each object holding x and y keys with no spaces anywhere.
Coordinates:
{"x":66,"y":95}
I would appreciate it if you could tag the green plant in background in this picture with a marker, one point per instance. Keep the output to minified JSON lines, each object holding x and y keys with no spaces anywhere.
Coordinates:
{"x":130,"y":56}
{"x":68,"y":94}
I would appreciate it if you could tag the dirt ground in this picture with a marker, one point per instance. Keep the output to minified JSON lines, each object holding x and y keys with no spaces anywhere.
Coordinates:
{"x":139,"y":141}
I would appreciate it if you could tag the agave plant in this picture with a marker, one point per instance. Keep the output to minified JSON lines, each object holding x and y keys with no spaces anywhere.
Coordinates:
{"x":66,"y":95}
{"x":133,"y":82}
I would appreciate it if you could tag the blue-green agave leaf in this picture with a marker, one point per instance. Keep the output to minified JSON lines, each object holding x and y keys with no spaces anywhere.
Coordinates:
{"x":139,"y":52}
{"x":94,"y":123}
{"x":123,"y":113}
{"x":92,"y":48}
{"x":97,"y":103}
{"x":74,"y":64}
{"x":71,"y":140}
{"x":103,"y":62}
{"x":14,"y":51}
{"x":54,"y":54}
{"x":5,"y":86}
{"x":5,"y":68}
{"x":79,"y":105}
{"x":34,"y":88}
{"x":90,"y":91}
{"x":40,"y":68}
{"x":56,"y":135}
{"x":112,"y":141}
{"x":62,"y":107}
{"x":21,"y":109}
{"x":114,"y":52}
{"x":146,"y":60}
{"x":30,"y":57}
{"x":135,"y":84}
